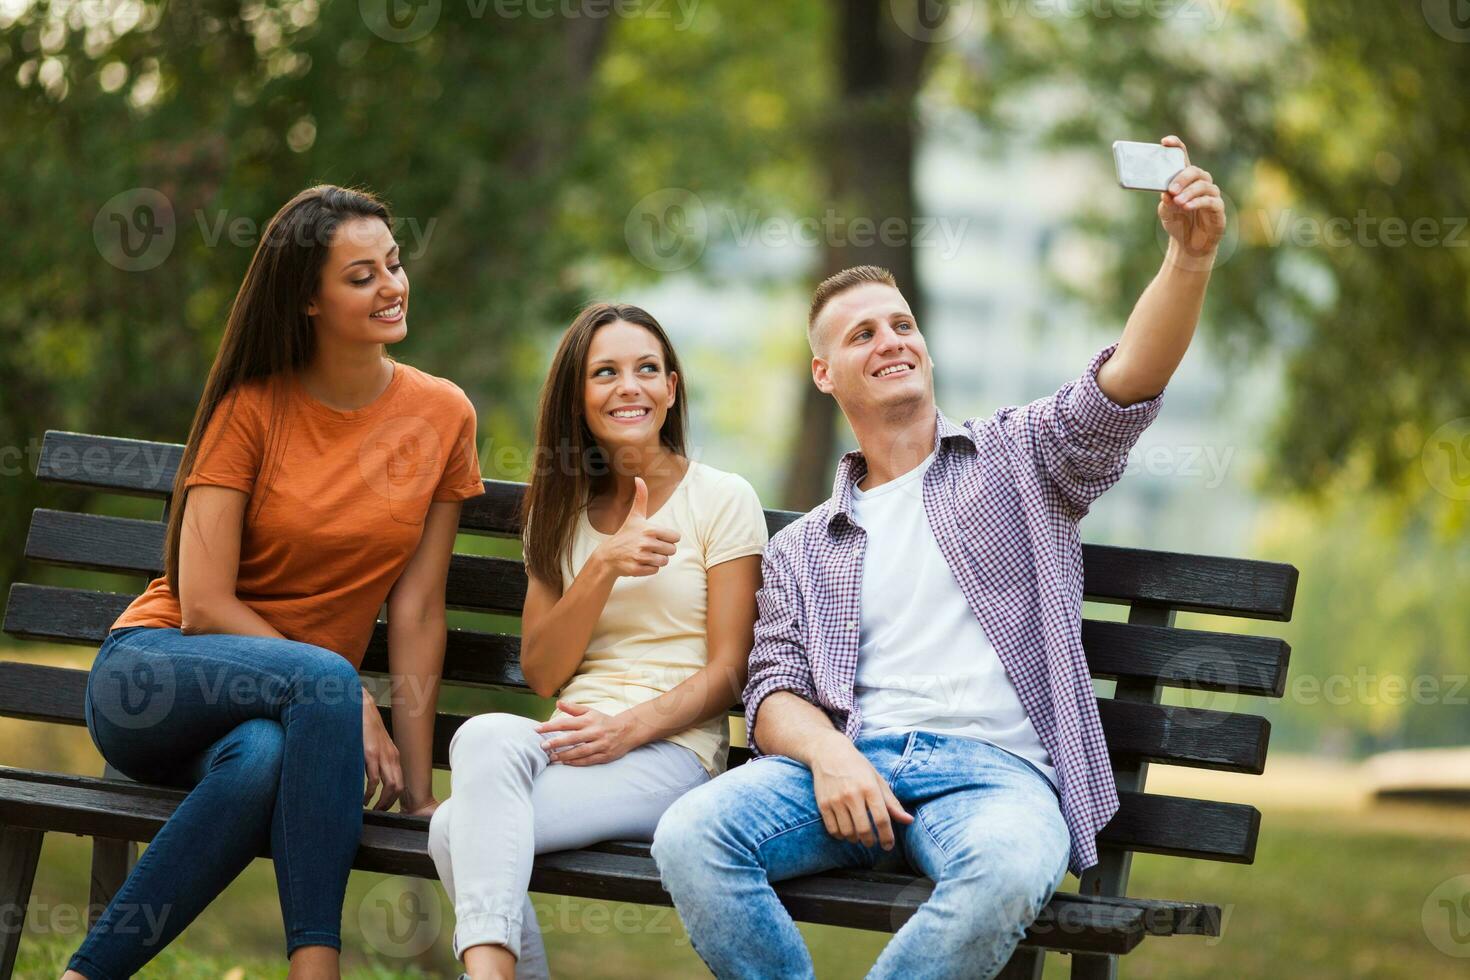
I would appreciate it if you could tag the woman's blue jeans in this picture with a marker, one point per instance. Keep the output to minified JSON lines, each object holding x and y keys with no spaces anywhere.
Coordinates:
{"x":266,"y":735}
{"x":988,"y":830}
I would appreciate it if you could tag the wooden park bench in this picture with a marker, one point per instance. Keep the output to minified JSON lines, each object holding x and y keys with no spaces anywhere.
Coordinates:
{"x":1095,"y":925}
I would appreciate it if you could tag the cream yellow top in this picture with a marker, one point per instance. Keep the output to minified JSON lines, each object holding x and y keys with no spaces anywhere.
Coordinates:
{"x":652,"y":634}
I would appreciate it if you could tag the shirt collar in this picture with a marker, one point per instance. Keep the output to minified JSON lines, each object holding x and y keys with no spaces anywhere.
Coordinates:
{"x":853,"y":467}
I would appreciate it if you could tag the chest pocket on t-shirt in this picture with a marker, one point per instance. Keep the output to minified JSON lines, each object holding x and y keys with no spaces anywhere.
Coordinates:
{"x":401,"y":460}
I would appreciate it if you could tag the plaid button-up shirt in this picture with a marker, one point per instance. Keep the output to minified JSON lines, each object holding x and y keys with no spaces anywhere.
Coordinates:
{"x":1003,"y":498}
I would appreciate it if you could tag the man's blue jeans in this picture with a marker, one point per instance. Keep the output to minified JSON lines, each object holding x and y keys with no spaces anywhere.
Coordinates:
{"x":266,"y":735}
{"x":988,"y":830}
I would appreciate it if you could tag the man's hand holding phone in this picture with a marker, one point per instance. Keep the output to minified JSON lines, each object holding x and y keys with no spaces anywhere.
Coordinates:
{"x":1191,"y":208}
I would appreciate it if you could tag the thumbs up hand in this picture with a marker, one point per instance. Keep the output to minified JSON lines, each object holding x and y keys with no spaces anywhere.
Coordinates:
{"x":638,"y":548}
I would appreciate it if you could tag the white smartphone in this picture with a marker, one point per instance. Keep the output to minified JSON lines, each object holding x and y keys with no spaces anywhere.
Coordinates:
{"x":1146,"y":166}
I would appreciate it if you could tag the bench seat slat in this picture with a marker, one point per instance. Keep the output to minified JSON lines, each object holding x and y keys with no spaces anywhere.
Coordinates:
{"x":1226,"y":586}
{"x":618,"y":870}
{"x":1162,"y":917}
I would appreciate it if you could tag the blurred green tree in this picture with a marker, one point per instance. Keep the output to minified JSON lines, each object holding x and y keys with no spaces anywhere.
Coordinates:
{"x":1337,"y":129}
{"x":148,"y":142}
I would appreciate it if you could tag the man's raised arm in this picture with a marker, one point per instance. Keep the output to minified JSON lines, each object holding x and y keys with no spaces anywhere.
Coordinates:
{"x":1162,"y":324}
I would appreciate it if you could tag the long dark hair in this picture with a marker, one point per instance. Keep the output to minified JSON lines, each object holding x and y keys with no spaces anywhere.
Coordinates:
{"x":569,"y":467}
{"x":268,"y":334}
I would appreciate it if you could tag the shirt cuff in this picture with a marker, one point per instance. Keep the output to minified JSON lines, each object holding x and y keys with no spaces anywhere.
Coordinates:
{"x":757,"y":693}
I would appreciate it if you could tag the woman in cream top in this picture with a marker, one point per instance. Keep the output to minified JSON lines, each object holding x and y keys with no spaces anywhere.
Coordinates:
{"x":643,"y":566}
{"x":651,"y":635}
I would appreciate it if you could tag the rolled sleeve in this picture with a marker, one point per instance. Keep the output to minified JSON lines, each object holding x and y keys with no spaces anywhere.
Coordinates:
{"x":778,"y":659}
{"x":1100,"y":424}
{"x":1080,"y":438}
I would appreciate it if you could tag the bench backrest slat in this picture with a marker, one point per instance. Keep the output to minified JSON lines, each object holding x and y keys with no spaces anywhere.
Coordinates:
{"x":1197,"y":737}
{"x":1225,"y":586}
{"x":1196,"y":659}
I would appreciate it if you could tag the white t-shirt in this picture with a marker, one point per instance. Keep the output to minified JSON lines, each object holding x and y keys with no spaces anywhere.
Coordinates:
{"x":924,"y":662}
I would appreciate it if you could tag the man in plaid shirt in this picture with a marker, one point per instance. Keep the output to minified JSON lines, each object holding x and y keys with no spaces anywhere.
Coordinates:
{"x":918,"y":684}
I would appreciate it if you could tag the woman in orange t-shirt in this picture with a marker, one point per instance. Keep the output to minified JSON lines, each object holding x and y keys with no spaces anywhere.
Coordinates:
{"x":320,"y":480}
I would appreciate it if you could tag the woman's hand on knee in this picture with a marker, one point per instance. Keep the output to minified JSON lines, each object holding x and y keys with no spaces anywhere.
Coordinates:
{"x":380,"y":757}
{"x":587,"y":737}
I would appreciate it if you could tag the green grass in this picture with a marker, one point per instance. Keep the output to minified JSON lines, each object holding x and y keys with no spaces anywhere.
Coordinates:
{"x":1327,"y":897}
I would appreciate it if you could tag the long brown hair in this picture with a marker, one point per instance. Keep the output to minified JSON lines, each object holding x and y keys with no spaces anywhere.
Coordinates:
{"x":569,"y":468}
{"x":268,"y":334}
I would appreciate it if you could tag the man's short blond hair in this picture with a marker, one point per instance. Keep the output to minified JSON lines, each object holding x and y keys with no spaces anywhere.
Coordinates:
{"x":835,"y":285}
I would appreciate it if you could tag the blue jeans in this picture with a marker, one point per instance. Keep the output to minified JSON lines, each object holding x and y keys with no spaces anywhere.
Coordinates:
{"x":988,"y":830}
{"x":266,"y":735}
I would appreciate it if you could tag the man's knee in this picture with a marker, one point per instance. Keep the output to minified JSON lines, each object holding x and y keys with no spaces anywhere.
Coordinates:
{"x":1026,"y":885}
{"x":1009,"y":889}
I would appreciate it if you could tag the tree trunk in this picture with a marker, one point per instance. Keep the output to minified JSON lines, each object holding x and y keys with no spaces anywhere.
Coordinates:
{"x":868,"y":146}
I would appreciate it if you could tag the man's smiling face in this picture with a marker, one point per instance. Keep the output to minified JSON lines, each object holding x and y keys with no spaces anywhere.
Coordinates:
{"x":869,"y":354}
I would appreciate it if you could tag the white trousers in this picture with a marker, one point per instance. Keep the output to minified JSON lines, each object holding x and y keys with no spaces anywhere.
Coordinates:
{"x":508,"y":804}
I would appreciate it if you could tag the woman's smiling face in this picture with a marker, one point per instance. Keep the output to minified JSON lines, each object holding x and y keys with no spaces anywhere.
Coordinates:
{"x":627,"y":391}
{"x":363,"y":293}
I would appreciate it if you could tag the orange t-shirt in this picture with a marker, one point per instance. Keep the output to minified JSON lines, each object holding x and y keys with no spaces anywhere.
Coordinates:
{"x":337,"y":500}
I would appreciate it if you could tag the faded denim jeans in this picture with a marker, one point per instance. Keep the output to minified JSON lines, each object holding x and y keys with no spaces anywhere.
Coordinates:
{"x":988,"y":830}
